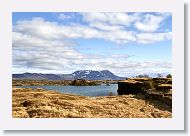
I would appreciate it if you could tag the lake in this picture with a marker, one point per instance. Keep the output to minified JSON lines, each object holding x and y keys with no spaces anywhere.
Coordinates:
{"x":101,"y":90}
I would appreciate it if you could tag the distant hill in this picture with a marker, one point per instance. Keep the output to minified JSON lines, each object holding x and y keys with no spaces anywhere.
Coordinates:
{"x":36,"y":76}
{"x":80,"y":74}
{"x":95,"y":75}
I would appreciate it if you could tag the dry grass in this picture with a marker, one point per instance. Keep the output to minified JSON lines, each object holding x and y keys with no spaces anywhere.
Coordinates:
{"x":130,"y":81}
{"x":40,"y":103}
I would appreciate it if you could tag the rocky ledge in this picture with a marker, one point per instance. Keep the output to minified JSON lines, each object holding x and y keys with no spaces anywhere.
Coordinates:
{"x":40,"y":103}
{"x":152,"y":88}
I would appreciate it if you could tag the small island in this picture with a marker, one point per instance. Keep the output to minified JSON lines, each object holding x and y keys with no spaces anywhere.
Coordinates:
{"x":83,"y":82}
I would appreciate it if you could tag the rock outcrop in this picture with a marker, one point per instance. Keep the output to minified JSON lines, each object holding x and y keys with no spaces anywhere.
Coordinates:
{"x":133,"y":86}
{"x":152,"y":88}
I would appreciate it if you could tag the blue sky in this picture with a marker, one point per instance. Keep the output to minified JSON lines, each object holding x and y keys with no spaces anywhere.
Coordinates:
{"x":127,"y":44}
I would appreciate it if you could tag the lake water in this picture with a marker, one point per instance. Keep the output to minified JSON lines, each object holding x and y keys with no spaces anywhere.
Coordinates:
{"x":102,"y":90}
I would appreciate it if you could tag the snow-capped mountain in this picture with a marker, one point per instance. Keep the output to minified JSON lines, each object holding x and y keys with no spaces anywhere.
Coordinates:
{"x":80,"y":74}
{"x":95,"y":75}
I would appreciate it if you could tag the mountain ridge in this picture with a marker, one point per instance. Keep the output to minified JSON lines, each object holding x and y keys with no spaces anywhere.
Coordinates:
{"x":79,"y":74}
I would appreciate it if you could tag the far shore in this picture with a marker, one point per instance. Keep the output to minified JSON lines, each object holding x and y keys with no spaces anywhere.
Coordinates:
{"x":81,"y":82}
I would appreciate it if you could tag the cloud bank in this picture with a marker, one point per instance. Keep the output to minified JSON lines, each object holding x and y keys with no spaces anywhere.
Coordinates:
{"x":43,"y":46}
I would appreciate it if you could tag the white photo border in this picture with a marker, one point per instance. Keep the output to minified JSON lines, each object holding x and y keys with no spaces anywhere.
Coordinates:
{"x":174,"y":6}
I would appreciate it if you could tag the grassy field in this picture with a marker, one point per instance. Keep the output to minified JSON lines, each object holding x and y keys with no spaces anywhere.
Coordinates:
{"x":40,"y":103}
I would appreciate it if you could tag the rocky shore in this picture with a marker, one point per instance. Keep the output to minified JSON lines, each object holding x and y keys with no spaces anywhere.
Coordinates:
{"x":40,"y":103}
{"x":152,"y":88}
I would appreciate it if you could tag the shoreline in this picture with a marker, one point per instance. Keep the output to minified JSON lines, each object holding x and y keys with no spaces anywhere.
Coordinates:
{"x":41,"y":103}
{"x":29,"y":82}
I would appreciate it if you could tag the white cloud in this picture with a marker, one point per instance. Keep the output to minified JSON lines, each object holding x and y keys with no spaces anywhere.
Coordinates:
{"x":105,"y":27}
{"x":150,"y":23}
{"x":40,"y":45}
{"x":30,"y":52}
{"x":41,"y":55}
{"x":146,"y":38}
{"x":40,"y":28}
{"x":110,"y":18}
{"x":63,"y":16}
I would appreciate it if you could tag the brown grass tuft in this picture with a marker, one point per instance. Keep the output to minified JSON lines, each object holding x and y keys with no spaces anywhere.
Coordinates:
{"x":40,"y":103}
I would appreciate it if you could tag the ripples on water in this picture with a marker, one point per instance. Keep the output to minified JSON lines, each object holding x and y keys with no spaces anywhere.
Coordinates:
{"x":102,"y":90}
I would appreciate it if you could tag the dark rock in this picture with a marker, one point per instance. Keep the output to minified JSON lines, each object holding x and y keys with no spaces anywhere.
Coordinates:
{"x":26,"y":103}
{"x":132,"y":87}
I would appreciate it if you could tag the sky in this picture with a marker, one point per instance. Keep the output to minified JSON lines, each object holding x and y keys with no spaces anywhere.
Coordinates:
{"x":125,"y":43}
